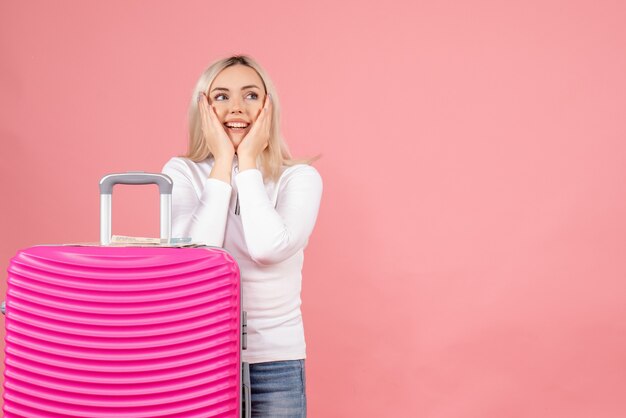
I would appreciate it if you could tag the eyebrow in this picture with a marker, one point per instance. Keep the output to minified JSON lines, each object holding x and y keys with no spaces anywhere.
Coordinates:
{"x":243,"y":88}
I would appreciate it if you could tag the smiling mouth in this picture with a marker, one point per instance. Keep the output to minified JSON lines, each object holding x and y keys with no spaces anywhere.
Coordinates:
{"x":236,"y":126}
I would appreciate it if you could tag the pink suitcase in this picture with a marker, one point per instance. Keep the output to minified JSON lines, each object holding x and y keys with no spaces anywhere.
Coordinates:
{"x":106,"y":331}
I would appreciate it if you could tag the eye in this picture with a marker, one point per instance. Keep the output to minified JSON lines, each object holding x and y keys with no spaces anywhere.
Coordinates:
{"x":217,"y":96}
{"x":252,"y":95}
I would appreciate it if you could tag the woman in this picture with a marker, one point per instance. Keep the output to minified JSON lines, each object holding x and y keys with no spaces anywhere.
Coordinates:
{"x":239,"y":188}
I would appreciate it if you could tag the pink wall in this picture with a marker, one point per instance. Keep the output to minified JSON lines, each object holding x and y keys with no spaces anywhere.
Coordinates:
{"x":469,"y":259}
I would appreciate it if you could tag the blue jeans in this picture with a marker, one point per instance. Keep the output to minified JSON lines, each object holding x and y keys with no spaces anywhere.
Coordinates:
{"x":278,"y":389}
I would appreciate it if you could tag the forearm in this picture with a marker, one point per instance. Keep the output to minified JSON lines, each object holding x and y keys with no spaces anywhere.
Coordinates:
{"x":199,"y":204}
{"x":222,"y":169}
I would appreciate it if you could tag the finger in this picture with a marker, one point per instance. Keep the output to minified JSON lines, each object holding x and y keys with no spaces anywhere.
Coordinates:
{"x":267,"y":103}
{"x":213,"y":116}
{"x":267,"y":116}
{"x":262,"y":118}
{"x":270,"y":108}
{"x":219,"y":128}
{"x":208,"y":109}
{"x":202,"y":101}
{"x":202,"y":108}
{"x":254,"y":129}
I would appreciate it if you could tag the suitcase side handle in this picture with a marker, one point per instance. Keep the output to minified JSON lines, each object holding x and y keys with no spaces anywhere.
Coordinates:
{"x":246,"y":402}
{"x":107,"y":182}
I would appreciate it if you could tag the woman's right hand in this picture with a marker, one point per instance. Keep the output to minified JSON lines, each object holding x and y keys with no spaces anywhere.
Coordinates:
{"x":214,"y":134}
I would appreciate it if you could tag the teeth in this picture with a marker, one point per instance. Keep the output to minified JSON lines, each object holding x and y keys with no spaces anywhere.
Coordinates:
{"x":236,"y":125}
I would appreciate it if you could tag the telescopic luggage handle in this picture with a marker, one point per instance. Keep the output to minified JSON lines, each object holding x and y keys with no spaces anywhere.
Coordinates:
{"x":135,"y":177}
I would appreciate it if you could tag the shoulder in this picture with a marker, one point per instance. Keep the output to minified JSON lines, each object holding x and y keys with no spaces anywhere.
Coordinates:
{"x":301,"y":174}
{"x":177,"y":166}
{"x":300,"y":170}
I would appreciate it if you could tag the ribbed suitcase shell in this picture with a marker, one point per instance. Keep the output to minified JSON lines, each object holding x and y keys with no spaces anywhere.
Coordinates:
{"x":123,"y":332}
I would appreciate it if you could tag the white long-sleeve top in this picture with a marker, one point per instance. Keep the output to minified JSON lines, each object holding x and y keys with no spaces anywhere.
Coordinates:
{"x":265,"y":227}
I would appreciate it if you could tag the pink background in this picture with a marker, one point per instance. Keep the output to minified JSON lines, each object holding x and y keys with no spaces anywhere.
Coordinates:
{"x":470,"y":254}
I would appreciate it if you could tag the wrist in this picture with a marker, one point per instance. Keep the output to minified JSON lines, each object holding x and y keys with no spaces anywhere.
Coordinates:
{"x":246,"y":161}
{"x":224,"y":155}
{"x":221,"y":170}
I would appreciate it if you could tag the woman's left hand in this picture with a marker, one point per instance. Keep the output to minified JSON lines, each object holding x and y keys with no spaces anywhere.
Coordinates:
{"x":258,"y":138}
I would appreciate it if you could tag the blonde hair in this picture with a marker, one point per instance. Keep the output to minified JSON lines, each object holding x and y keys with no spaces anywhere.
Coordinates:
{"x":277,"y":153}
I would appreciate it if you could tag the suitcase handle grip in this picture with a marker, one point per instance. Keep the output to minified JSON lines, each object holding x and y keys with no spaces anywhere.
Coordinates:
{"x":136,"y":177}
{"x":107,"y":182}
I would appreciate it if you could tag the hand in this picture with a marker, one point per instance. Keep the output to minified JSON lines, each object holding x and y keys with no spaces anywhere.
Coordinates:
{"x":215,"y":136}
{"x":257,"y":139}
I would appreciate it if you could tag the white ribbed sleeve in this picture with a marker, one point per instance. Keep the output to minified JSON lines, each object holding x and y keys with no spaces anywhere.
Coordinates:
{"x":274,"y":234}
{"x":199,"y":214}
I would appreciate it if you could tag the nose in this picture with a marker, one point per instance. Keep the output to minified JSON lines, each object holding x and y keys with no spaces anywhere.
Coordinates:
{"x":236,"y":106}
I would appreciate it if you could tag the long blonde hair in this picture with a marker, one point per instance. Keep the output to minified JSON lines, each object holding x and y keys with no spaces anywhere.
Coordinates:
{"x":277,"y":153}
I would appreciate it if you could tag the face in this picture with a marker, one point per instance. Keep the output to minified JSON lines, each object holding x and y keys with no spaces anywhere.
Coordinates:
{"x":238,"y":95}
